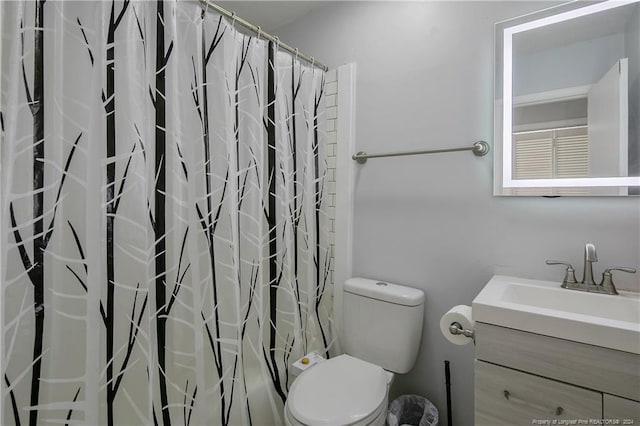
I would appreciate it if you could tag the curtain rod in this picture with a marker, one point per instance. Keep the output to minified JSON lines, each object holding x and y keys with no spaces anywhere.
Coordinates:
{"x":256,"y":29}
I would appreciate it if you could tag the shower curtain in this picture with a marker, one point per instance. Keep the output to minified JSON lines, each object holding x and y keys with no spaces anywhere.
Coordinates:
{"x":164,"y":244}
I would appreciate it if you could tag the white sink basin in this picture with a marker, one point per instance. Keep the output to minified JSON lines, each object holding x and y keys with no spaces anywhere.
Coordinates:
{"x":544,"y":307}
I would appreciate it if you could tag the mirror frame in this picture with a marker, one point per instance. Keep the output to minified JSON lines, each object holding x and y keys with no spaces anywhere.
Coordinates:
{"x":505,"y":31}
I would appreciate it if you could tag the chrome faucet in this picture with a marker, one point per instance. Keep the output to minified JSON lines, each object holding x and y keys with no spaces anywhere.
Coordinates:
{"x":587,"y":284}
{"x":590,"y":256}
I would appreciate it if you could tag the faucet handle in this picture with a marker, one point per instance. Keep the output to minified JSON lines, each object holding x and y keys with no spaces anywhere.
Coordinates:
{"x":569,"y":275}
{"x":607,"y":278}
{"x":621,"y":268}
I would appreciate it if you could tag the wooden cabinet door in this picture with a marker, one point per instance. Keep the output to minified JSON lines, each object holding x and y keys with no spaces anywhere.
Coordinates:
{"x":509,"y":397}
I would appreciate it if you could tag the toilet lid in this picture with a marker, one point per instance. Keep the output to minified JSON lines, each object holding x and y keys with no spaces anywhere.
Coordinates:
{"x":340,"y":391}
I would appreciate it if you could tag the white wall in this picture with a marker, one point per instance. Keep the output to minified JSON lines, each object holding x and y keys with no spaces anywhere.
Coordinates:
{"x":425,"y":79}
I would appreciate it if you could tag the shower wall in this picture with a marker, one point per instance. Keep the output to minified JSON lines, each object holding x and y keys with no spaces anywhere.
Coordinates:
{"x":331,"y":139}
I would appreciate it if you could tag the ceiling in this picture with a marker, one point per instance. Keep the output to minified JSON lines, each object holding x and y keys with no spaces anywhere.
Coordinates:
{"x":270,"y":15}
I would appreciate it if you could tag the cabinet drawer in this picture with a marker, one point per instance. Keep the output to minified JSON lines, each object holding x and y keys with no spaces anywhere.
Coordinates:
{"x":593,"y":367}
{"x":627,"y":412}
{"x":508,"y":397}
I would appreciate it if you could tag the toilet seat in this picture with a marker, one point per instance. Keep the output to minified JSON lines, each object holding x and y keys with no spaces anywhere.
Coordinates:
{"x":341,"y":391}
{"x":378,"y":418}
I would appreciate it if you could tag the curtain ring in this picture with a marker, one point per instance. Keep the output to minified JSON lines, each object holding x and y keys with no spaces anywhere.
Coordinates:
{"x":277,"y":42}
{"x":313,"y":61}
{"x":259,"y":32}
{"x":297,"y":53}
{"x":205,"y":10}
{"x":233,"y":20}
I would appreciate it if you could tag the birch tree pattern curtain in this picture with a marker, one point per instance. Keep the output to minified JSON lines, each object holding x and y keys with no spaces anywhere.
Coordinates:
{"x":164,"y":244}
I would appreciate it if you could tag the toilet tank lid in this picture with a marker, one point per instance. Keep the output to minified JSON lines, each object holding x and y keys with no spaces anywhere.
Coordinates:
{"x":384,"y":291}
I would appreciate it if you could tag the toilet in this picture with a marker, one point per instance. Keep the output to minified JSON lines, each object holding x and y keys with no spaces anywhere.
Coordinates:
{"x":382,"y":328}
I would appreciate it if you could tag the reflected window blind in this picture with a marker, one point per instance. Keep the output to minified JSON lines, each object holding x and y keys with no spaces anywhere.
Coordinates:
{"x":552,"y":153}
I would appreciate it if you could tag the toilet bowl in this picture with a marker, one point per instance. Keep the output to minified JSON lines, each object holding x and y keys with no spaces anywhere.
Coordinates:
{"x":382,"y":329}
{"x":341,"y":391}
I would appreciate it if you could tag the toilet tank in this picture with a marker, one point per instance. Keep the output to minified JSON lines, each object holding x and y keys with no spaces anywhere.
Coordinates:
{"x":382,"y":323}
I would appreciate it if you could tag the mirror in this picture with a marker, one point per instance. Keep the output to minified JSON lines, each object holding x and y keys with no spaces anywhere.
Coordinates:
{"x":567,"y":101}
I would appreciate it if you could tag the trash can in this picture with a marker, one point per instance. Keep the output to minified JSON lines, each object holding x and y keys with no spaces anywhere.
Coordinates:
{"x":412,"y":410}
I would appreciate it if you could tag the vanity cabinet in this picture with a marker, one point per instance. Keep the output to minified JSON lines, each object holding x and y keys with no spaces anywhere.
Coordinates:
{"x":524,"y":378}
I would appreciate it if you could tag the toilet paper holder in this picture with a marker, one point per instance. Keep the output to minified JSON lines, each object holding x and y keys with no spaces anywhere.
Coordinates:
{"x":456,"y":328}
